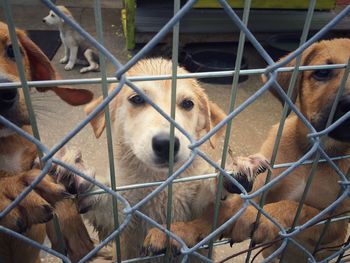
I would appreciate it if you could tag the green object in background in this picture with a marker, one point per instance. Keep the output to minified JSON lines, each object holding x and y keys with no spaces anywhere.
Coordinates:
{"x":129,"y":11}
{"x":269,"y":4}
{"x":128,"y":21}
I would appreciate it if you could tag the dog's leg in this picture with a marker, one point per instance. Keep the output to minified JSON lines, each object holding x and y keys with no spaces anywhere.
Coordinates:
{"x":14,"y":250}
{"x":191,"y":232}
{"x":93,"y":66}
{"x":74,"y":232}
{"x":73,"y":52}
{"x":281,"y":211}
{"x":66,"y":54}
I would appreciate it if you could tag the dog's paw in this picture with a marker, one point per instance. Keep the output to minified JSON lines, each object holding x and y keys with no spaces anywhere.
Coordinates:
{"x":69,"y":66}
{"x":155,"y":244}
{"x":189,"y":232}
{"x":92,"y":67}
{"x":242,"y":229}
{"x":245,"y":170}
{"x":36,"y":207}
{"x":64,"y":60}
{"x":85,"y":69}
{"x":73,"y":182}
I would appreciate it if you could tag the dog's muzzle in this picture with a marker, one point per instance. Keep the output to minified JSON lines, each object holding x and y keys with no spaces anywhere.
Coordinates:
{"x":8,"y":98}
{"x":161,"y":148}
{"x":10,"y":107}
{"x":342,"y":132}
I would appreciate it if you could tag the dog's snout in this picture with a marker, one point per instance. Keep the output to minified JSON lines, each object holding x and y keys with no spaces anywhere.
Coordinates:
{"x":344,"y":105}
{"x":342,"y":132}
{"x":161,"y":146}
{"x":44,"y":20}
{"x":8,"y":97}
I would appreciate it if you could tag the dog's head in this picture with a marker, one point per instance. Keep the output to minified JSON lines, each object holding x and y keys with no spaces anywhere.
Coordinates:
{"x":145,"y":132}
{"x":317,"y":89}
{"x":37,"y":67}
{"x":52,"y":19}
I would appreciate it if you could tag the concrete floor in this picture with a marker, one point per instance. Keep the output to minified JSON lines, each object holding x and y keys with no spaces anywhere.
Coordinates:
{"x":249,"y":128}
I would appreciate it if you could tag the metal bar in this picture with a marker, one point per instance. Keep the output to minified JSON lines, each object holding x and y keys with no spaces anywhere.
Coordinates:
{"x":102,"y":60}
{"x":198,"y":75}
{"x":234,"y":89}
{"x":175,"y":53}
{"x":342,"y":254}
{"x":284,"y":115}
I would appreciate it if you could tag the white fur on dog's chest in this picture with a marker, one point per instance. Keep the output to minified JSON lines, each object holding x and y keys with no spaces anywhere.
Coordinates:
{"x":11,"y":162}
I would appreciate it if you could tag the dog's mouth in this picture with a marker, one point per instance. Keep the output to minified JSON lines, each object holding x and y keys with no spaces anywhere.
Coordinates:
{"x":342,"y":131}
{"x":10,"y":107}
{"x":162,"y":163}
{"x":16,"y":117}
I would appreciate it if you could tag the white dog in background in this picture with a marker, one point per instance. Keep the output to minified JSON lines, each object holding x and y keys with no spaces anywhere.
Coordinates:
{"x":72,"y":41}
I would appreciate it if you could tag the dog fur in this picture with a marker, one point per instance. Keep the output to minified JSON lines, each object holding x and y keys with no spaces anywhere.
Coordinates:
{"x":72,"y":42}
{"x":316,"y":91}
{"x":17,"y":156}
{"x":139,"y":158}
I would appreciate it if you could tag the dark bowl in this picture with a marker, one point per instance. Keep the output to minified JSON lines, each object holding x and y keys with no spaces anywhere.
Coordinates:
{"x":205,"y":60}
{"x":280,"y":45}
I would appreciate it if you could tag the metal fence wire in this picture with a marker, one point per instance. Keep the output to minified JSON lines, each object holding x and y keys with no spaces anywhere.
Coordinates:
{"x":315,"y":155}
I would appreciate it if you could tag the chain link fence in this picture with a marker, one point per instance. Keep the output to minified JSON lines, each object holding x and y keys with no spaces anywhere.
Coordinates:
{"x":315,"y":154}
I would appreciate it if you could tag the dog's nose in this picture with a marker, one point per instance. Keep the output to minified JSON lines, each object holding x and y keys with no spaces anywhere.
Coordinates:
{"x":161,"y":146}
{"x":44,"y":20}
{"x":8,"y":97}
{"x":344,"y":105}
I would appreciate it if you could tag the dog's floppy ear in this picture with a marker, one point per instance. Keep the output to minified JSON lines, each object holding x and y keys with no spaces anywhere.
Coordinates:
{"x":283,"y":78}
{"x":216,"y":116}
{"x":213,"y":115}
{"x":41,"y":69}
{"x":99,"y":122}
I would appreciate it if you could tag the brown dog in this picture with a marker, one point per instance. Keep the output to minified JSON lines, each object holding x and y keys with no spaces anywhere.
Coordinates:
{"x":316,"y":91}
{"x":17,"y":158}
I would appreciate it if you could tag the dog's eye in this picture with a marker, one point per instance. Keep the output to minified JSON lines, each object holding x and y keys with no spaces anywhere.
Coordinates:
{"x":137,"y":100}
{"x":322,"y":74}
{"x":187,"y":104}
{"x":52,"y":15}
{"x":9,"y":52}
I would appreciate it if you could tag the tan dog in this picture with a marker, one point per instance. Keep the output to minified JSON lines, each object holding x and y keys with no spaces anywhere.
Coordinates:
{"x":316,"y":91}
{"x":141,"y":148}
{"x":17,"y":157}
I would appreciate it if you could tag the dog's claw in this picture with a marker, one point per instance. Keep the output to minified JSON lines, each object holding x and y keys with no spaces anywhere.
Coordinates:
{"x":48,"y":211}
{"x":21,"y":225}
{"x":143,"y":252}
{"x":175,"y":251}
{"x":245,"y":170}
{"x":231,"y":242}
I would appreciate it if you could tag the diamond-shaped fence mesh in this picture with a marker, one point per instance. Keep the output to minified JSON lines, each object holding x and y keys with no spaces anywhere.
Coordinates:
{"x":314,"y":155}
